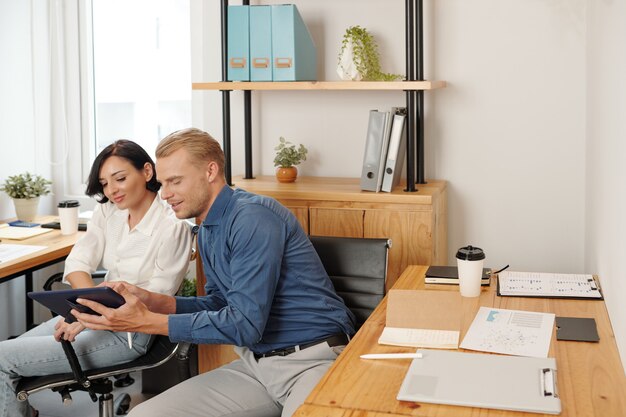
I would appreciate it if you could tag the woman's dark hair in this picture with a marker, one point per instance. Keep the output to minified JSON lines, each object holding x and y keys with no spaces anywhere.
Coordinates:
{"x":128,"y":150}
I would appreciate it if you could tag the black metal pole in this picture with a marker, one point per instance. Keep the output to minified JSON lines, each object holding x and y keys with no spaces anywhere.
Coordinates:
{"x":226,"y":96}
{"x":247,"y":116}
{"x":410,"y":103}
{"x":420,"y":94}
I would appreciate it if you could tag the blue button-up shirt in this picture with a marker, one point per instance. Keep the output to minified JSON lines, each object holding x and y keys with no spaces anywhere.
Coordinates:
{"x":266,"y":287}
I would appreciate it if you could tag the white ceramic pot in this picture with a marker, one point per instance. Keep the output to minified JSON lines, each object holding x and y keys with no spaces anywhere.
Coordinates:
{"x":26,"y":208}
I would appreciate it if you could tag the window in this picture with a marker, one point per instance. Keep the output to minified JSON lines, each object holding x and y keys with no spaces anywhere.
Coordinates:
{"x":141,"y":69}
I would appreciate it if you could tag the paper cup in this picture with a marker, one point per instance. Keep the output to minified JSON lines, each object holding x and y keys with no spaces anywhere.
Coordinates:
{"x":470,"y":261}
{"x":68,"y":216}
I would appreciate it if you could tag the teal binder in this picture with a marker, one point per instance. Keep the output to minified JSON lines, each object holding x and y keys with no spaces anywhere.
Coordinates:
{"x":293,"y":50}
{"x":260,"y":43}
{"x":238,"y":43}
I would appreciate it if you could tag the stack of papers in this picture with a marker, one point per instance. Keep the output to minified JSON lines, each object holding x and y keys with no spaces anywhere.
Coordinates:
{"x":429,"y":319}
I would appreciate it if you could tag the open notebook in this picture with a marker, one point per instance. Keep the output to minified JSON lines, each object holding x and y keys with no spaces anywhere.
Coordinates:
{"x":415,"y":318}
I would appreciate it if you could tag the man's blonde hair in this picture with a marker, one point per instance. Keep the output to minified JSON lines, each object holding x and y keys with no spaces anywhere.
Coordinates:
{"x":199,"y":144}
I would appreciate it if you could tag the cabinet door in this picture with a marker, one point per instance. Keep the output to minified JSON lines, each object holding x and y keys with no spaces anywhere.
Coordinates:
{"x":302,"y":214}
{"x":300,"y":210}
{"x":336,"y":222}
{"x":411,"y":235}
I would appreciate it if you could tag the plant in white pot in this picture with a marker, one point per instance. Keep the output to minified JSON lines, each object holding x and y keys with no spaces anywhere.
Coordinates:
{"x":25,"y":190}
{"x":287,"y":157}
{"x":359,"y":59}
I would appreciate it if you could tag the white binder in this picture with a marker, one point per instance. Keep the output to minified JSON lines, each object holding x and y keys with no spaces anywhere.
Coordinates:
{"x":373,"y":149}
{"x":479,"y":380}
{"x":395,"y":154}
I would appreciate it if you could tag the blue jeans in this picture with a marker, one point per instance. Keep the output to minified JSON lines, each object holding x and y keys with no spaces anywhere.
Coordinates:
{"x":37,"y":353}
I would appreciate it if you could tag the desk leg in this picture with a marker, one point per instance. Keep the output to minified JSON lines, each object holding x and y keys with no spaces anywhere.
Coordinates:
{"x":29,"y":301}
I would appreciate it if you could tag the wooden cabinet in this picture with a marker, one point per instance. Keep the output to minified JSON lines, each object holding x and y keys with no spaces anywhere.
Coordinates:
{"x":415,"y":222}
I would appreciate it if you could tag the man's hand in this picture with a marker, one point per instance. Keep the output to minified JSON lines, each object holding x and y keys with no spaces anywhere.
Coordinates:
{"x":133,"y":316}
{"x":67,"y":331}
{"x":157,"y":303}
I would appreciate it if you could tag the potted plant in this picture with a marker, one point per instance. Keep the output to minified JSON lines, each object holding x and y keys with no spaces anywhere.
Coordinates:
{"x":287,"y":157}
{"x":359,"y":59}
{"x":25,"y":190}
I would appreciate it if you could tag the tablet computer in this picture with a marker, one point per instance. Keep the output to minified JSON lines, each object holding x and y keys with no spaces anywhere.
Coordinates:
{"x":62,"y":301}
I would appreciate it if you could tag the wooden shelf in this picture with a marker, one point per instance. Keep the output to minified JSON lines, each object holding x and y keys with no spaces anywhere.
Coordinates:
{"x":337,"y":189}
{"x":321,"y":85}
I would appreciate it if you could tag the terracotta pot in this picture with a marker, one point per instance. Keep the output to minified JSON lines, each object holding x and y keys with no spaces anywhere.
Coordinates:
{"x":286,"y":174}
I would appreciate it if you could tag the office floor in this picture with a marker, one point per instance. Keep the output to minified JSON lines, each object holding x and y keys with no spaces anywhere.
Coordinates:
{"x":49,"y":403}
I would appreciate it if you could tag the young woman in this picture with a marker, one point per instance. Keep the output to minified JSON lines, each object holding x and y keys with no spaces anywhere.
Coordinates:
{"x":136,"y":238}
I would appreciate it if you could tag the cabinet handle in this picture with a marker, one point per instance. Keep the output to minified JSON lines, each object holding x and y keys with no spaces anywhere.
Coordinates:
{"x":282,"y":62}
{"x":260,"y":62}
{"x":238,"y":62}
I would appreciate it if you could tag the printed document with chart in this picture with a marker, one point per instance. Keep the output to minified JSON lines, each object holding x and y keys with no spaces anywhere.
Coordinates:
{"x":512,"y":332}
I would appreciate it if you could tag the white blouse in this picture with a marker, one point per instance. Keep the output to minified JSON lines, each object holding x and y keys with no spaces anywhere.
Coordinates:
{"x":154,"y":255}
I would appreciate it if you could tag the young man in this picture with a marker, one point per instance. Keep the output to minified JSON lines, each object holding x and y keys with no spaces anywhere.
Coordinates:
{"x":267,"y":293}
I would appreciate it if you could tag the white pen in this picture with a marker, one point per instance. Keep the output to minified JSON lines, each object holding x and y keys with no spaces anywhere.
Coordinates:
{"x":392,"y":356}
{"x":129,"y":337}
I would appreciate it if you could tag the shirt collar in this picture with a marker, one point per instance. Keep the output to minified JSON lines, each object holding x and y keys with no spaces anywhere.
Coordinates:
{"x":216,"y":212}
{"x":151,"y":219}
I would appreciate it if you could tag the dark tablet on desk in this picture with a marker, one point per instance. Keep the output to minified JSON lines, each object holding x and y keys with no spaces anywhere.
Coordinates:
{"x":56,"y":225}
{"x":62,"y":301}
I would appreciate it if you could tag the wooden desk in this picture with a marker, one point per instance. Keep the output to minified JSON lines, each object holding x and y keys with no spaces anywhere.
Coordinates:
{"x":58,"y":246}
{"x":591,"y":378}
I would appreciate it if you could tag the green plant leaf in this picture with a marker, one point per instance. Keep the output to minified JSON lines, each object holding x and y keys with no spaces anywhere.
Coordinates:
{"x":26,"y":185}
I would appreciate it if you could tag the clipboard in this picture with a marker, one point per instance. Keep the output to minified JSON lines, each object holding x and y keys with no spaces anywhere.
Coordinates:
{"x":62,"y":301}
{"x":488,"y":381}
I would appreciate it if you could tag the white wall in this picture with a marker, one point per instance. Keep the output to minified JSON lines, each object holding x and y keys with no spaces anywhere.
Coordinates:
{"x":606,"y":157}
{"x":508,"y":133}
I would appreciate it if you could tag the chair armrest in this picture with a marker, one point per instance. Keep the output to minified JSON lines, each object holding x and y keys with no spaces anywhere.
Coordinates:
{"x":182,"y":358}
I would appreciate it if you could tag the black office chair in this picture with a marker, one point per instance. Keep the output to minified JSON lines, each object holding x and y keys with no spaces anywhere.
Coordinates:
{"x":97,"y":381}
{"x":357,"y":268}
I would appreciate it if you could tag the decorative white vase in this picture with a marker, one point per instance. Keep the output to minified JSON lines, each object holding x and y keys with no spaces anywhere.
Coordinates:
{"x":26,"y":208}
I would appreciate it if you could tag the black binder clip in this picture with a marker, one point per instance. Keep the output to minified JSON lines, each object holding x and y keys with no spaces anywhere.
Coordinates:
{"x":548,"y":382}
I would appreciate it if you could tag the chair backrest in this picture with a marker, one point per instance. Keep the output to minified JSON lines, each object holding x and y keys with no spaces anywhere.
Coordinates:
{"x":357,"y":268}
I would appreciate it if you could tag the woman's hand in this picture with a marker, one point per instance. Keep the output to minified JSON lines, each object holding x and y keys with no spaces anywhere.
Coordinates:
{"x":67,"y":331}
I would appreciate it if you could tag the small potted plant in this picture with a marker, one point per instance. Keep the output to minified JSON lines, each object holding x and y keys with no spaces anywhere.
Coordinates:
{"x":359,"y":59}
{"x":25,"y":190}
{"x":287,"y":157}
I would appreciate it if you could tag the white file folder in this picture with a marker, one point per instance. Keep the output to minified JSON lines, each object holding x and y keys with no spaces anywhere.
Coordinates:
{"x":373,"y":148}
{"x":487,"y":381}
{"x":396,"y":152}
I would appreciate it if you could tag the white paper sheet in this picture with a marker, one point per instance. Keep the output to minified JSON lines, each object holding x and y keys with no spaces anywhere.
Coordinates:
{"x":512,"y":332}
{"x":9,"y":252}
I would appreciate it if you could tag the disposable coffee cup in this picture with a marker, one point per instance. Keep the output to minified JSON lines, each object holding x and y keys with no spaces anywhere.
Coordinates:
{"x":68,"y":216}
{"x":469,"y":260}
